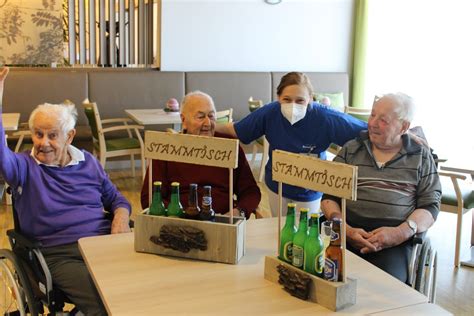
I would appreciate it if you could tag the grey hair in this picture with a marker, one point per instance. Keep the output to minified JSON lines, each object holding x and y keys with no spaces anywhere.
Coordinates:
{"x":66,"y":115}
{"x":404,"y":105}
{"x":196,"y":93}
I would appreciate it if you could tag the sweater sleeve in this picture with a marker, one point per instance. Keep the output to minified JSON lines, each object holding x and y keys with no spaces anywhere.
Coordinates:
{"x":429,"y":186}
{"x":245,"y":187}
{"x":11,"y":164}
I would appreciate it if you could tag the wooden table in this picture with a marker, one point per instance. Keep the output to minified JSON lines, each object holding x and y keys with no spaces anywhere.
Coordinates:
{"x":427,"y":309}
{"x":466,"y":167}
{"x":155,"y":117}
{"x":10,"y":121}
{"x":132,"y":283}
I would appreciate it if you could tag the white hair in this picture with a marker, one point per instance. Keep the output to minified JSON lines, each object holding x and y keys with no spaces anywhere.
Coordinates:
{"x":404,"y":105}
{"x":66,"y":115}
{"x":192,"y":94}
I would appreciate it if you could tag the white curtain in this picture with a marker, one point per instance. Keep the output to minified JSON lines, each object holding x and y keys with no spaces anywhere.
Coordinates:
{"x":425,"y":49}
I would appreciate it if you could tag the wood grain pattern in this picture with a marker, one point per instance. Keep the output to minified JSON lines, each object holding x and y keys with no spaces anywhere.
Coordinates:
{"x":332,"y":295}
{"x":225,"y":242}
{"x":201,"y":150}
{"x":133,"y":283}
{"x":334,"y":178}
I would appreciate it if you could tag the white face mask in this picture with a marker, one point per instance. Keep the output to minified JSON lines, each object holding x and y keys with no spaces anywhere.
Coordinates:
{"x":293,"y":112}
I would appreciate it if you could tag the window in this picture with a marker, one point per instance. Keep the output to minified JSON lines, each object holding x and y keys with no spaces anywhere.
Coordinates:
{"x":425,"y":49}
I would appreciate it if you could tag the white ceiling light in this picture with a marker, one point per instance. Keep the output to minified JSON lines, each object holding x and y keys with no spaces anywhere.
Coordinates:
{"x":272,"y":1}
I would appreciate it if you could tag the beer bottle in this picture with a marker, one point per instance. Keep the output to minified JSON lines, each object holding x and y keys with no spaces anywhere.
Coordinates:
{"x":333,"y":262}
{"x":157,"y":206}
{"x":207,"y":213}
{"x":300,"y":238}
{"x":175,"y":209}
{"x":287,"y":234}
{"x":192,"y":210}
{"x":313,"y":249}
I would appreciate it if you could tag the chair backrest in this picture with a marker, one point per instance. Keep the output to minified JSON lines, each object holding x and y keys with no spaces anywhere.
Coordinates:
{"x":21,"y":145}
{"x":360,"y":113}
{"x":254,"y":104}
{"x":93,"y":116}
{"x":224,"y":116}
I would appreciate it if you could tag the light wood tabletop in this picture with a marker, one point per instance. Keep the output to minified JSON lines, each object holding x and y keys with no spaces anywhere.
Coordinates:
{"x":143,"y":284}
{"x":10,"y":121}
{"x":424,"y":309}
{"x":154,"y":117}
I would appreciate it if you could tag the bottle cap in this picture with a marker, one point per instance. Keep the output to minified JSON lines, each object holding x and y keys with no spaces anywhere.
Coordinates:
{"x":304,"y":209}
{"x":157,"y":183}
{"x":193,"y":185}
{"x":315,"y":215}
{"x":291,"y":204}
{"x":175,"y":184}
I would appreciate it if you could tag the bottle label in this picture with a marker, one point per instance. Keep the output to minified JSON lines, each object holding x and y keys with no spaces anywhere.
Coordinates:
{"x":288,"y":251}
{"x":206,"y":200}
{"x":298,"y":256}
{"x":319,"y":263}
{"x":331,"y":268}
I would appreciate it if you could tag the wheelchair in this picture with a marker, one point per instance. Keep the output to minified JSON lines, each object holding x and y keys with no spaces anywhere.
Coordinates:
{"x":423,"y":267}
{"x":26,"y":284}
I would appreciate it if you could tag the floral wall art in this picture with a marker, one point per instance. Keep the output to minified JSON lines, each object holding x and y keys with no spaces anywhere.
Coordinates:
{"x":31,"y":32}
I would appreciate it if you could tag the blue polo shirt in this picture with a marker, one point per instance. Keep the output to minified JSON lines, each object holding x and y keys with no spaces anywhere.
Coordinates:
{"x":320,"y":127}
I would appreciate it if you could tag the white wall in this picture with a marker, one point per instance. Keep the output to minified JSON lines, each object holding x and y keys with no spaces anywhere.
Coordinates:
{"x":250,"y":35}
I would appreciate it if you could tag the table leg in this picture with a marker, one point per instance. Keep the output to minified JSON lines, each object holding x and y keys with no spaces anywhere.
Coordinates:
{"x":470,"y":262}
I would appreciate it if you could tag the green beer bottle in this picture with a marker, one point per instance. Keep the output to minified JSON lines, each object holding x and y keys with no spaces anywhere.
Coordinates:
{"x":300,"y":238}
{"x":157,"y":206}
{"x":313,"y":249}
{"x":175,"y":209}
{"x":287,"y":234}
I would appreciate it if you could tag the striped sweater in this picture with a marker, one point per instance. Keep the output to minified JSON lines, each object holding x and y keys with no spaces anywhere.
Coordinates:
{"x":388,"y":194}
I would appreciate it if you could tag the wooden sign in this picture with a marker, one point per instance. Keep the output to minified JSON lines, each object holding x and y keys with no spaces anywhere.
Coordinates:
{"x":201,"y":150}
{"x":333,"y":178}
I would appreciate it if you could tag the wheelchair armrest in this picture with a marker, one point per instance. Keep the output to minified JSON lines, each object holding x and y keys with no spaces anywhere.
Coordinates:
{"x":418,"y":238}
{"x":20,"y":239}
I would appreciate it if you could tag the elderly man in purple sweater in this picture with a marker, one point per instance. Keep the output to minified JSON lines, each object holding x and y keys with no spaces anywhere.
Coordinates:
{"x":60,"y":195}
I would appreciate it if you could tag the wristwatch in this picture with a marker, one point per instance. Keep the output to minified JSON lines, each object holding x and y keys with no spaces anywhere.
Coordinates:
{"x":412,"y":224}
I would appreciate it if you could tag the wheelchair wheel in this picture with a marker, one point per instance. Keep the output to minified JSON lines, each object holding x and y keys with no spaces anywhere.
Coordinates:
{"x":425,"y":282}
{"x":16,"y":297}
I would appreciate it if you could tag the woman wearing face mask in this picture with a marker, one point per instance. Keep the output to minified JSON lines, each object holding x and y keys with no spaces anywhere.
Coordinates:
{"x":295,"y":124}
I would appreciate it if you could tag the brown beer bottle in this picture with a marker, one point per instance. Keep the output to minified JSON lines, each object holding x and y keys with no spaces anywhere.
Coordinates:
{"x":207,"y":213}
{"x":333,"y":262}
{"x":192,"y":210}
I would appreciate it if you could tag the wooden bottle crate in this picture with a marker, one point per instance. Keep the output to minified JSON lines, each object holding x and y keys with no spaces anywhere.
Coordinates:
{"x":225,"y":241}
{"x":332,"y":295}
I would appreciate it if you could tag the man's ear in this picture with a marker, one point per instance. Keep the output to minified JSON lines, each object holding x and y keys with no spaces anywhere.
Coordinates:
{"x":405,"y":127}
{"x":70,"y":135}
{"x":183,"y":121}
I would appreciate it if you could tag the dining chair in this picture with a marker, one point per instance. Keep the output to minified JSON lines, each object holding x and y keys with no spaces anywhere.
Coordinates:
{"x":260,"y":143}
{"x":224,"y":116}
{"x":457,"y":198}
{"x":21,"y":145}
{"x":360,"y":113}
{"x":114,"y":147}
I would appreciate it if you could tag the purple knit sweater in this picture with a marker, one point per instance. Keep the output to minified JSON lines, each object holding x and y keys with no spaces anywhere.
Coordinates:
{"x":57,"y":205}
